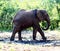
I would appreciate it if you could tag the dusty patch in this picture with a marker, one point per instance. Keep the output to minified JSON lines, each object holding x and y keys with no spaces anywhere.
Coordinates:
{"x":26,"y":47}
{"x":28,"y":44}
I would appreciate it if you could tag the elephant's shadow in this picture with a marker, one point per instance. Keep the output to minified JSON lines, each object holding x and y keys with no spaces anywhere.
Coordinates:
{"x":34,"y":41}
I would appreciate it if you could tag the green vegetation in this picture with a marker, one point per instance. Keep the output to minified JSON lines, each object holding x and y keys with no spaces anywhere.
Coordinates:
{"x":8,"y":8}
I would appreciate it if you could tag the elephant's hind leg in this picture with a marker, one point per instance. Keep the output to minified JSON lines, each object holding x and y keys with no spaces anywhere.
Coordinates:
{"x":13,"y":33}
{"x":34,"y":33}
{"x":19,"y":35}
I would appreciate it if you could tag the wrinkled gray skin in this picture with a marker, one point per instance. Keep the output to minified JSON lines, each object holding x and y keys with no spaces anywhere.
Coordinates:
{"x":25,"y":19}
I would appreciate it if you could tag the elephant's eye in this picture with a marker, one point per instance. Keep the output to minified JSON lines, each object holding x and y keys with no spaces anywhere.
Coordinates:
{"x":46,"y":14}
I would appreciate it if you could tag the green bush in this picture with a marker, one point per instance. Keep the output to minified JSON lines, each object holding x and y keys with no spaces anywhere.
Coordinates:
{"x":6,"y":15}
{"x":8,"y":9}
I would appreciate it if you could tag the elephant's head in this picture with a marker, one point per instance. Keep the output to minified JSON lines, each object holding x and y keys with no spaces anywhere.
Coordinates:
{"x":43,"y":16}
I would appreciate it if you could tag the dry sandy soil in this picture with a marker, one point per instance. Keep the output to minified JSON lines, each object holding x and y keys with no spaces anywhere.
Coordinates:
{"x":27,"y":44}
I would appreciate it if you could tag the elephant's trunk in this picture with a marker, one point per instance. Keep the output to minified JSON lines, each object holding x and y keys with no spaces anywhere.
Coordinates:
{"x":47,"y":26}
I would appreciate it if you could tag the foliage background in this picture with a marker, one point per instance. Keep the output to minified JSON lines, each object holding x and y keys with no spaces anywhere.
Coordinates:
{"x":8,"y":9}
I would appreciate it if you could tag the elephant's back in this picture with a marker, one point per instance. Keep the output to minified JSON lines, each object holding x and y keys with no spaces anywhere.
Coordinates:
{"x":24,"y":17}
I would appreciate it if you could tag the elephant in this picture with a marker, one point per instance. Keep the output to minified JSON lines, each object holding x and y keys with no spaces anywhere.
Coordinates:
{"x":30,"y":18}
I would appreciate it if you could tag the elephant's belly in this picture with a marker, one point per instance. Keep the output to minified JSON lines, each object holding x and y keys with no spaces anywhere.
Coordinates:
{"x":25,"y":26}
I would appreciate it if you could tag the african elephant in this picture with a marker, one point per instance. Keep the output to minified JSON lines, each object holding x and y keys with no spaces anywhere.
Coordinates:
{"x":25,"y":19}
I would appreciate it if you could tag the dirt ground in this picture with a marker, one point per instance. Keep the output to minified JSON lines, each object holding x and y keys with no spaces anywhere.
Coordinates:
{"x":27,"y":43}
{"x":27,"y":47}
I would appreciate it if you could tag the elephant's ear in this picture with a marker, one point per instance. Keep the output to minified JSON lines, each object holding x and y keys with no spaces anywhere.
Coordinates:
{"x":40,"y":15}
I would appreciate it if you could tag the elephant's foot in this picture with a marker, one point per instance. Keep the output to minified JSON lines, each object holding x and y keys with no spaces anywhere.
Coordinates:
{"x":11,"y":39}
{"x":44,"y":38}
{"x":34,"y":38}
{"x":20,"y":38}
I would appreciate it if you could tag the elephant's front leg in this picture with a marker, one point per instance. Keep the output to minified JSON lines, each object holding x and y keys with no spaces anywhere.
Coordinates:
{"x":42,"y":33}
{"x":19,"y":35}
{"x":34,"y":33}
